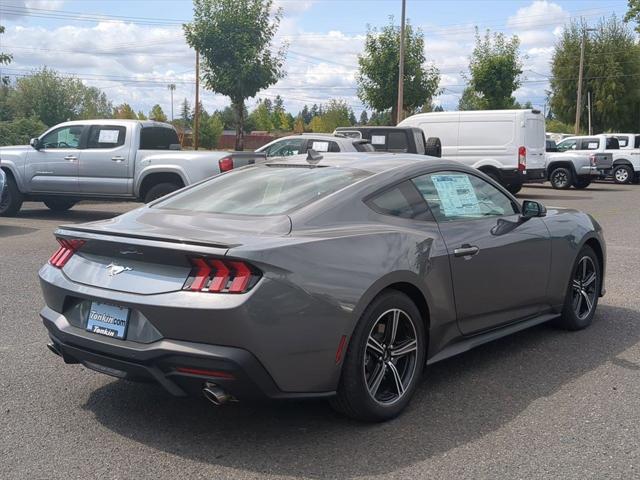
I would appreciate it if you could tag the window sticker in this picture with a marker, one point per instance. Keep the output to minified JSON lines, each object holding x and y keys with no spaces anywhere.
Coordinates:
{"x":108,"y":136}
{"x":378,"y":139}
{"x":320,"y":146}
{"x":457,"y":195}
{"x":592,"y":146}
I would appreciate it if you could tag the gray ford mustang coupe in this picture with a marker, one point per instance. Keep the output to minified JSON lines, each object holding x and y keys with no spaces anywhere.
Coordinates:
{"x":339,"y":276}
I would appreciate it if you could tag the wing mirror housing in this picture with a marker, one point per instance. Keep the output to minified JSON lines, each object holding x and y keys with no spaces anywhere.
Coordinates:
{"x":531,"y":209}
{"x":35,"y":143}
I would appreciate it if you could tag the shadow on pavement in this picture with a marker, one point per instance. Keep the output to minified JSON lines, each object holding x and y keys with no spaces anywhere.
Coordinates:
{"x":459,"y":401}
{"x":72,"y":216}
{"x":14,"y":231}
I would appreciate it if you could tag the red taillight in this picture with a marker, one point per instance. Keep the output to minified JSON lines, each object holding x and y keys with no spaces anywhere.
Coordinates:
{"x":225,"y":164}
{"x":522,"y":159}
{"x":220,"y":276}
{"x":68,"y":247}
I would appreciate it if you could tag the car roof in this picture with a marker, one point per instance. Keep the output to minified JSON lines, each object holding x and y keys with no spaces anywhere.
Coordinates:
{"x":111,"y":121}
{"x":374,"y":162}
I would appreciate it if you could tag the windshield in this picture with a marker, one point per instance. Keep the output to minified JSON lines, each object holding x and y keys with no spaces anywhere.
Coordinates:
{"x":263,"y":190}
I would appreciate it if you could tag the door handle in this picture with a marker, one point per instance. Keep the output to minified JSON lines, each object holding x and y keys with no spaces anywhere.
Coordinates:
{"x":117,"y":159}
{"x":71,"y":158}
{"x":466,"y":250}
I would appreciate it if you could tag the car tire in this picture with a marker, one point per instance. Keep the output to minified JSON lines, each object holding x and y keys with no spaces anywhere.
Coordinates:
{"x":581,"y":184}
{"x":561,"y":178}
{"x":378,"y":380}
{"x":11,"y":201}
{"x":59,"y":204}
{"x":433,"y":147}
{"x":160,"y":190}
{"x":513,"y":189}
{"x":583,"y":292}
{"x":622,"y":174}
{"x":493,"y":176}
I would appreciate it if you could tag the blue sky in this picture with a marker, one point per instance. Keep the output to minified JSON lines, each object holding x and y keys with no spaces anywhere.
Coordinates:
{"x":134,"y":48}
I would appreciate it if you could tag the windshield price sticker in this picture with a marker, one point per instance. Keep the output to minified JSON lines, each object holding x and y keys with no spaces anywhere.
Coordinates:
{"x":457,"y":196}
{"x":108,"y":136}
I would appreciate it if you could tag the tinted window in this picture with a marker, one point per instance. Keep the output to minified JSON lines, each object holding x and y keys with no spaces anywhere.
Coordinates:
{"x":264,"y":190}
{"x":321,"y":145}
{"x":623,"y":141}
{"x":589,"y":144}
{"x":284,"y":148}
{"x":637,"y":142}
{"x":158,"y":138}
{"x":399,"y":201}
{"x":454,"y":196}
{"x":361,"y":146}
{"x":567,"y":145}
{"x":106,"y":136}
{"x":613,"y":143}
{"x":419,"y":136}
{"x":397,"y":142}
{"x":64,"y":137}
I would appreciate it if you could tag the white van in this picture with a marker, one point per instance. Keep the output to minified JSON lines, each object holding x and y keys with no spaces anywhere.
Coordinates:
{"x":507,"y":145}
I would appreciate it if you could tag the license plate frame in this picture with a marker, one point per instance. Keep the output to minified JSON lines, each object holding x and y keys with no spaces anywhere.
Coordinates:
{"x":108,"y":320}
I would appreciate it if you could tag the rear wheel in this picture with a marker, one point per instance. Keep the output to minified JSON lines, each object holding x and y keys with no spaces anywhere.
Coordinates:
{"x":583,"y":292}
{"x":513,"y":189}
{"x":384,"y":360}
{"x":160,"y":190}
{"x":581,"y":183}
{"x":561,"y":178}
{"x":11,"y":200}
{"x":622,"y":174}
{"x":59,"y":204}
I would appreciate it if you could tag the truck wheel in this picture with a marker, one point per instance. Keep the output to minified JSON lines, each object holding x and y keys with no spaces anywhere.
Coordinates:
{"x":561,"y":178}
{"x":11,"y":201}
{"x":160,"y":190}
{"x":581,"y":183}
{"x":513,"y":189}
{"x":433,"y":147}
{"x":59,"y":204}
{"x":622,"y":174}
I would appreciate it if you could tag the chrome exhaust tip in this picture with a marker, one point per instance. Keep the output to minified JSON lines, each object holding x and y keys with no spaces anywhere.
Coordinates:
{"x":215,"y":394}
{"x":52,"y":347}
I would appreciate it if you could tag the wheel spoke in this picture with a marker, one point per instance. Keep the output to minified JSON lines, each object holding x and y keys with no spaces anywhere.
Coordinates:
{"x":577,"y":303}
{"x":374,"y":345}
{"x":587,"y":299}
{"x":394,"y":327}
{"x":396,"y":378}
{"x":576,"y":284}
{"x":589,"y":280}
{"x":405,"y":349}
{"x":376,"y":379}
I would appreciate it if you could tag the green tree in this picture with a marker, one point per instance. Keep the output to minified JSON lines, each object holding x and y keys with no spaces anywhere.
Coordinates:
{"x":298,"y":126}
{"x":185,"y":113}
{"x":53,"y":98}
{"x":611,"y":73}
{"x":234,"y":39}
{"x":5,"y":59}
{"x":317,"y":125}
{"x":157,"y":114}
{"x":364,"y":118}
{"x":141,"y":115}
{"x":124,"y":112}
{"x":211,"y":128}
{"x":18,"y":132}
{"x":305,"y":114}
{"x":634,"y":13}
{"x":262,"y":116}
{"x":352,"y":117}
{"x":378,"y":73}
{"x":495,"y":69}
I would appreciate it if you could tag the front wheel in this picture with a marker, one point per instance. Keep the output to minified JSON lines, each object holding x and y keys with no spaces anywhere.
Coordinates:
{"x":622,"y":174}
{"x":513,"y":189}
{"x":160,"y":190}
{"x":11,"y":200}
{"x":384,"y":360}
{"x":583,"y":291}
{"x":561,"y":178}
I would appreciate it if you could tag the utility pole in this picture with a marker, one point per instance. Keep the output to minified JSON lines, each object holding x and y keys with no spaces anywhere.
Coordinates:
{"x":171,"y":87}
{"x":401,"y":66}
{"x":589,"y":109}
{"x":580,"y":72}
{"x":196,"y":113}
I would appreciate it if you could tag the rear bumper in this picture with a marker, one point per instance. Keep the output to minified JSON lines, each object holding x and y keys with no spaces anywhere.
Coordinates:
{"x":517,"y":177}
{"x":234,"y":369}
{"x":596,"y":172}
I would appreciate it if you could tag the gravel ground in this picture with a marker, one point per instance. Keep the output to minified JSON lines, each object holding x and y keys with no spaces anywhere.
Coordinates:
{"x":540,"y":404}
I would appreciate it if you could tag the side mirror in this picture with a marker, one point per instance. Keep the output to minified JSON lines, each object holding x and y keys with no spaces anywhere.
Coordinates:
{"x":532,"y":209}
{"x":35,"y":143}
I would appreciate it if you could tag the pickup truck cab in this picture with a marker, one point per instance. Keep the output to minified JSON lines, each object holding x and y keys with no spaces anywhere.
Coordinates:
{"x":580,"y":160}
{"x":626,"y":160}
{"x":101,"y":159}
{"x":395,"y":139}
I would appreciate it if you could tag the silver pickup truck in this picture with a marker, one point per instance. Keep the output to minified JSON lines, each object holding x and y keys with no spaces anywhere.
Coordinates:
{"x":579,"y":162}
{"x":101,"y":159}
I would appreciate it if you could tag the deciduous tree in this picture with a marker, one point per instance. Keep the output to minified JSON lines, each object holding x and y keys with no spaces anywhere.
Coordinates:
{"x":124,"y":111}
{"x":235,"y":41}
{"x":378,"y":71}
{"x":157,"y":114}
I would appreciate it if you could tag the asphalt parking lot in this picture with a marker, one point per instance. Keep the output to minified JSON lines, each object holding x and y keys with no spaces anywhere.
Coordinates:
{"x":541,"y":404}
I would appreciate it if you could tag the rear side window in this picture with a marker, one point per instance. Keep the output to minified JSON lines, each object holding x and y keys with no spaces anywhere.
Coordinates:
{"x":637,"y":142}
{"x":419,"y":136}
{"x":612,"y":143}
{"x":158,"y":138}
{"x":623,"y":141}
{"x":264,"y":190}
{"x":361,"y":146}
{"x":589,"y":144}
{"x":106,"y":136}
{"x":399,"y":201}
{"x":397,"y":142}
